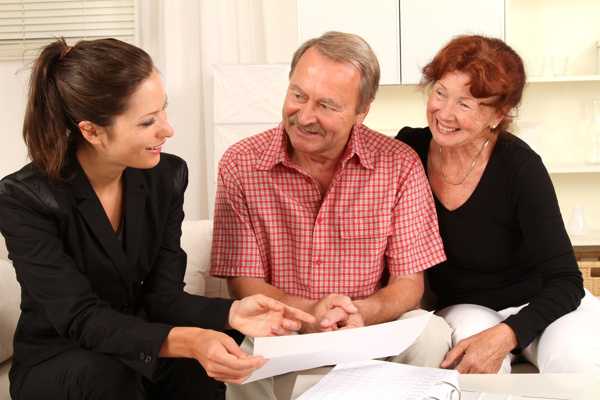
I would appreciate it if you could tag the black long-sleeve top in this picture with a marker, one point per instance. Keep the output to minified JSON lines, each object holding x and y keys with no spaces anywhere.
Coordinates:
{"x":82,"y":286}
{"x":506,"y":245}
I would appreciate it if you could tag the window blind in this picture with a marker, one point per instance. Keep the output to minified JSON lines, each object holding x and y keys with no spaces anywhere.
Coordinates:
{"x":29,"y":24}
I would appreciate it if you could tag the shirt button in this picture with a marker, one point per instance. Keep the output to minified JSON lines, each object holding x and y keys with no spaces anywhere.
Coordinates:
{"x":319,"y":220}
{"x":142,"y":356}
{"x":148,"y":360}
{"x":318,"y":261}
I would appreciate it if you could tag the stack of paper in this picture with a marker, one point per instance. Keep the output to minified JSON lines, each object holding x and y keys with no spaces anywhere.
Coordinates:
{"x":385,"y":380}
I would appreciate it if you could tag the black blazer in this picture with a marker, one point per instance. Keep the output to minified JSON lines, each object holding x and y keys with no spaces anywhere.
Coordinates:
{"x":81,"y":286}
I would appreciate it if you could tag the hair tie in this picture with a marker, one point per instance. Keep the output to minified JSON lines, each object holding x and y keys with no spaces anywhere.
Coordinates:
{"x":65,"y":51}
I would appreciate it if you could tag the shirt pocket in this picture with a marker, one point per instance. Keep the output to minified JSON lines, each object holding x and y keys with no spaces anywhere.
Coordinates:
{"x":366,"y":226}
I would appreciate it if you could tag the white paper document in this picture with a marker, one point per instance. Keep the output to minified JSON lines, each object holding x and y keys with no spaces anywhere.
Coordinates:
{"x":469,"y":395}
{"x":300,"y":352}
{"x":382,"y":380}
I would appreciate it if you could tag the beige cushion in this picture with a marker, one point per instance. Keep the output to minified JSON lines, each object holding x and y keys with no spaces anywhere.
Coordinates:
{"x":10,"y":300}
{"x":196,"y":240}
{"x":4,"y":384}
{"x":3,"y":251}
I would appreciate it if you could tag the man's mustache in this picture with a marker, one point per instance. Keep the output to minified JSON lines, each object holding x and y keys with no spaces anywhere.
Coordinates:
{"x":313,"y":128}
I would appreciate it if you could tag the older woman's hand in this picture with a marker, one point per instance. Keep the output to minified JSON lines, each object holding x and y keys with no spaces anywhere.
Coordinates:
{"x":259,"y":315}
{"x":484,"y":352}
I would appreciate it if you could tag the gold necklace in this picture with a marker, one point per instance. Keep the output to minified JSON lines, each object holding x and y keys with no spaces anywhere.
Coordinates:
{"x":470,"y":169}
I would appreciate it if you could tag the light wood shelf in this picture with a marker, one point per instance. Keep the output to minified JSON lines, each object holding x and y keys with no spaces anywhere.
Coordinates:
{"x":589,"y":242}
{"x":572,"y":168}
{"x":563,"y":78}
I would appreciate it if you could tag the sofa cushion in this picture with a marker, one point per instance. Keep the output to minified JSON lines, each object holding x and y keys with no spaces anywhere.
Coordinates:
{"x":196,"y":240}
{"x":10,"y":301}
{"x":3,"y":250}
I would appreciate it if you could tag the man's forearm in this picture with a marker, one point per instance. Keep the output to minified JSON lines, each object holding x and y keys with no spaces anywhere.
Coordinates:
{"x":241,"y":287}
{"x":402,"y":294}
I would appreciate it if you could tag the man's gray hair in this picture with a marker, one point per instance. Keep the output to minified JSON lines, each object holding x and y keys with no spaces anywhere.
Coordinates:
{"x":347,"y":47}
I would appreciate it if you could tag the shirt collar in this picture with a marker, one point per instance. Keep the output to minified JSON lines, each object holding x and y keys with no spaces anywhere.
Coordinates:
{"x":276,"y":151}
{"x":356,"y":147}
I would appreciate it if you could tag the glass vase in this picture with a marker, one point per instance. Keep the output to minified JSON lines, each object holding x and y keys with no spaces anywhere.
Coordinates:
{"x":592,"y":135}
{"x":577,"y":225}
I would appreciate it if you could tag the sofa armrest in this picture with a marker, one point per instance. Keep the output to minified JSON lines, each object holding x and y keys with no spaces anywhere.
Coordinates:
{"x":3,"y":250}
{"x":10,"y":300}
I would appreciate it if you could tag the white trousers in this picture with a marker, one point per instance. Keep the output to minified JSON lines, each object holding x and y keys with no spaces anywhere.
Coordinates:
{"x":428,"y":350}
{"x":571,"y":344}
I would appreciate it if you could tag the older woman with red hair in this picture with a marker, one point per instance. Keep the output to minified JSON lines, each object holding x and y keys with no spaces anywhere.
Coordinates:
{"x":511,"y":285}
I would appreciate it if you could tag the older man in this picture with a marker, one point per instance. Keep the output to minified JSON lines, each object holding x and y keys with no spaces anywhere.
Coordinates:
{"x":326,"y":215}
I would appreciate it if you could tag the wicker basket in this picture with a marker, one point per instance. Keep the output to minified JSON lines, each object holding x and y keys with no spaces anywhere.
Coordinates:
{"x":589,"y":264}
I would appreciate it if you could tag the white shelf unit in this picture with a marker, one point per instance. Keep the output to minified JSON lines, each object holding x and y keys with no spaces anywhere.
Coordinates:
{"x":560,"y":104}
{"x":564,"y":78}
{"x":572,"y":168}
{"x":589,"y":242}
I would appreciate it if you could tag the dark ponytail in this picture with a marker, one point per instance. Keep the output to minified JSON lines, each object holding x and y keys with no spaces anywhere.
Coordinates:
{"x":91,"y":81}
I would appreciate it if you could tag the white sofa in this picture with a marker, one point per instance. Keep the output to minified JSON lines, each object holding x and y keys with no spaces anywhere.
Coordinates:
{"x":196,"y":241}
{"x":10,"y":298}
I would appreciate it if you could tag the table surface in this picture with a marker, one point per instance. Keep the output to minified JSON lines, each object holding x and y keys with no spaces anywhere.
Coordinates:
{"x":539,"y":386}
{"x":497,"y":386}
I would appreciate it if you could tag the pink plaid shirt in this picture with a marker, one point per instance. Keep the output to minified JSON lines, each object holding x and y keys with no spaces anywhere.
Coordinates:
{"x":270,"y":221}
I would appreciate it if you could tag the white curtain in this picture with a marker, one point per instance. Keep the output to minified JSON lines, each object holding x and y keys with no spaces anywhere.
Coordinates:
{"x":186,"y":38}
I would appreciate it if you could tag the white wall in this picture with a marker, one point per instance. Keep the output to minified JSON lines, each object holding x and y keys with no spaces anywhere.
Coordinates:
{"x":561,"y":106}
{"x":13,"y":153}
{"x":275,"y":27}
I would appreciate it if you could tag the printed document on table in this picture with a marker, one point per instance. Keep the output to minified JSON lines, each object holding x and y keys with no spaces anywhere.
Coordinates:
{"x":382,"y":380}
{"x":300,"y":352}
{"x":469,"y":395}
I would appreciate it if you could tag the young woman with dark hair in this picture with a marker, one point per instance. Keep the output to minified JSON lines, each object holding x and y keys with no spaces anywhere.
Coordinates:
{"x":93,"y":228}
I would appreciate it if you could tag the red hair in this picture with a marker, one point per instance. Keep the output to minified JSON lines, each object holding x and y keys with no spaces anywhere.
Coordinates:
{"x":494,"y":68}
